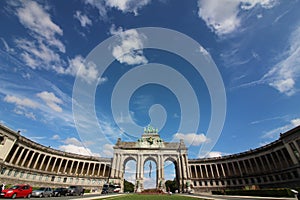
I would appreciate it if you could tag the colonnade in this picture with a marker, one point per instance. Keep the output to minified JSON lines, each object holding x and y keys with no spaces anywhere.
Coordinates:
{"x":25,"y":157}
{"x":274,"y":165}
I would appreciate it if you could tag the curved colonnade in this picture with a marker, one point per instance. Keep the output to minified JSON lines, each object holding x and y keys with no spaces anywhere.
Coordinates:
{"x":274,"y":165}
{"x":25,"y":161}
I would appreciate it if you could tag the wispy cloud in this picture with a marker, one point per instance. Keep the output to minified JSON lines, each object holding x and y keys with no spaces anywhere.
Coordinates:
{"x":273,"y":134}
{"x":284,"y":74}
{"x":42,"y":52}
{"x":223,"y":16}
{"x":20,"y":102}
{"x":83,"y":19}
{"x":51,"y":100}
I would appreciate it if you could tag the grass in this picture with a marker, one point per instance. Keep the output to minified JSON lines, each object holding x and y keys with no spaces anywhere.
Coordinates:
{"x":149,"y":197}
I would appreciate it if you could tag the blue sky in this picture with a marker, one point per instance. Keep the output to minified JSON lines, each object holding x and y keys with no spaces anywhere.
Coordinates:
{"x":59,"y":95}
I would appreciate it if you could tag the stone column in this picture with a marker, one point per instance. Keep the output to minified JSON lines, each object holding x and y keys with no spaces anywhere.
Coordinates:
{"x":77,"y":166}
{"x":88,"y":169}
{"x":217,"y":170}
{"x":104,"y":170}
{"x":196,"y":173}
{"x":59,"y":167}
{"x":42,"y":163}
{"x":53,"y":167}
{"x":30,"y":161}
{"x":20,"y":155}
{"x":36,"y":161}
{"x":93,"y":170}
{"x":72,"y":163}
{"x":25,"y":158}
{"x":14,"y":155}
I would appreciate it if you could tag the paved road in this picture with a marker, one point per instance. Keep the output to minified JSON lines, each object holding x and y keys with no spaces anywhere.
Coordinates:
{"x":85,"y":197}
{"x":227,"y":197}
{"x":196,"y":196}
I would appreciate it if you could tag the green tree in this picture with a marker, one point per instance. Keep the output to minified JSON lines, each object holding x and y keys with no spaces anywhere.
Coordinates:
{"x":128,"y":186}
{"x":172,"y":185}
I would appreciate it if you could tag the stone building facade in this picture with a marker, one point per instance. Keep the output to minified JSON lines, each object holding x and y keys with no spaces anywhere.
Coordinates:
{"x":274,"y":165}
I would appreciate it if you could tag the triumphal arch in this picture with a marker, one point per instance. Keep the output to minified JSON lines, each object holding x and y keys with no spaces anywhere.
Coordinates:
{"x":150,"y":147}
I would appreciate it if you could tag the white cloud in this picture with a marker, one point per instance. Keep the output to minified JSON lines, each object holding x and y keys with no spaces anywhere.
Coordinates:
{"x":128,"y":5}
{"x":223,"y":16}
{"x":55,"y":137}
{"x":213,"y":154}
{"x":25,"y":102}
{"x":73,"y":145}
{"x":83,"y":19}
{"x":273,"y":134}
{"x":284,"y":74}
{"x":130,"y":47}
{"x":51,"y":100}
{"x":191,"y":138}
{"x":86,"y":71}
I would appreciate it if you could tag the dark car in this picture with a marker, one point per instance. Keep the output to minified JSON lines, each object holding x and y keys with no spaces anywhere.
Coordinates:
{"x":60,"y":192}
{"x":75,"y":190}
{"x":15,"y":191}
{"x":109,"y":188}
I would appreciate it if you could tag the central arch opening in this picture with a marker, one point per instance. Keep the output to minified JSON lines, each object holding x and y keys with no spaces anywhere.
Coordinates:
{"x":150,"y":174}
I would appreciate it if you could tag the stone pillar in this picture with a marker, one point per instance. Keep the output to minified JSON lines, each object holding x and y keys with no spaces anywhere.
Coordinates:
{"x":25,"y":158}
{"x":30,"y":161}
{"x":14,"y":155}
{"x":42,"y":163}
{"x":53,"y":167}
{"x":59,"y":167}
{"x":36,"y":161}
{"x":19,"y":157}
{"x":71,"y":167}
{"x":104,"y":170}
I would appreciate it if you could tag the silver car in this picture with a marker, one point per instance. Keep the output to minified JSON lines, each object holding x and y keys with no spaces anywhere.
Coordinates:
{"x":42,"y":192}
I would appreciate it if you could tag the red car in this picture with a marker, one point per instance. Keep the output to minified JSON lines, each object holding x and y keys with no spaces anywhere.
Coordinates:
{"x":15,"y":191}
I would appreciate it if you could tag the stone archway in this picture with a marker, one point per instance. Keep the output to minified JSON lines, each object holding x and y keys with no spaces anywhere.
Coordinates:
{"x":150,"y":146}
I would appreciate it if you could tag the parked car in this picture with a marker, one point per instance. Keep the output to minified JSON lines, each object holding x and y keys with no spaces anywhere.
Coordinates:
{"x":60,"y":192}
{"x":75,"y":190}
{"x":42,"y":192}
{"x":109,"y":188}
{"x":15,"y":191}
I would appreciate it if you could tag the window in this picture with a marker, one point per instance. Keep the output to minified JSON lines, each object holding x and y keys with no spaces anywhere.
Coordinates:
{"x":3,"y":170}
{"x":16,"y":173}
{"x":9,"y":172}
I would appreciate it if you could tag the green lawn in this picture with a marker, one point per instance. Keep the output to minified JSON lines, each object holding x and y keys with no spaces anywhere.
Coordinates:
{"x":149,"y":197}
